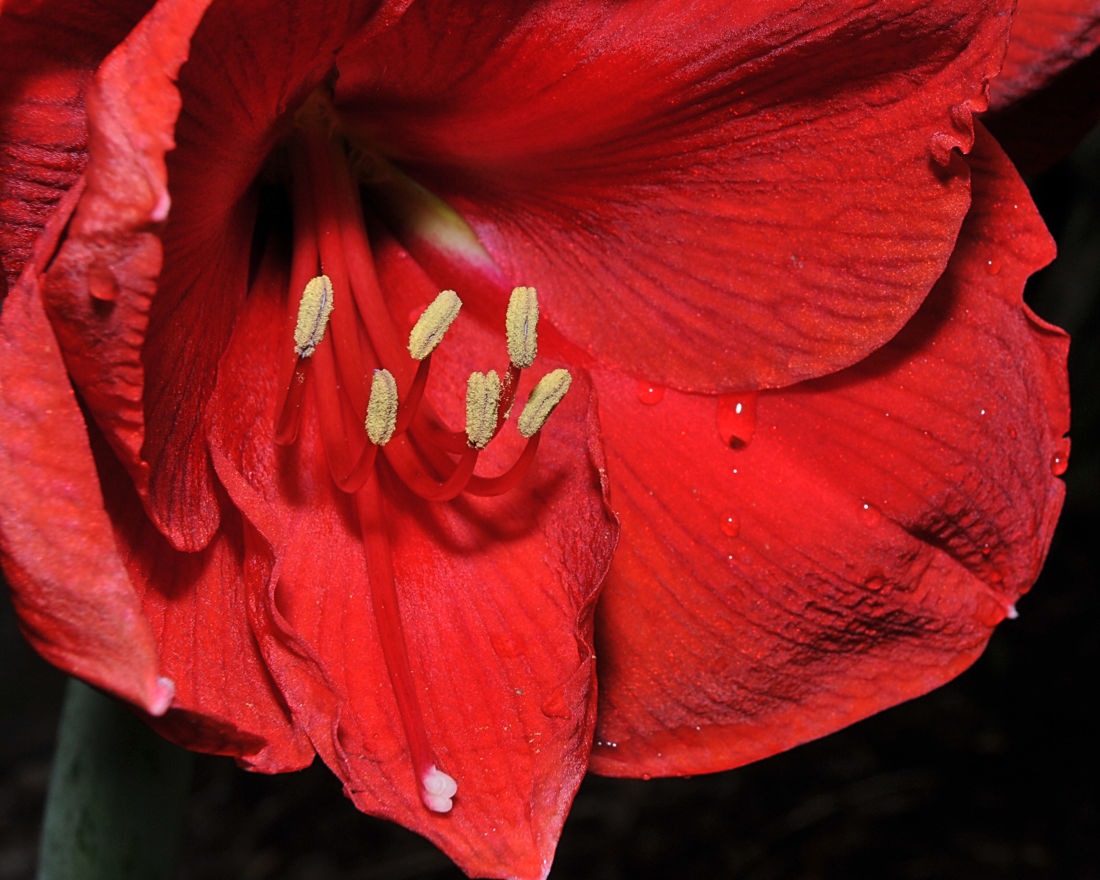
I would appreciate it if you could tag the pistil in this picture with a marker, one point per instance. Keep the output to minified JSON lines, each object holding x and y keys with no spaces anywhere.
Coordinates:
{"x":345,"y":347}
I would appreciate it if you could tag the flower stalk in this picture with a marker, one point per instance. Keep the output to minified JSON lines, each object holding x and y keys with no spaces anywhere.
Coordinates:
{"x":116,"y":801}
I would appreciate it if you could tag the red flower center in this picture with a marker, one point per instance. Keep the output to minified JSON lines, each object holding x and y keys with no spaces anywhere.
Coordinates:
{"x":342,"y":346}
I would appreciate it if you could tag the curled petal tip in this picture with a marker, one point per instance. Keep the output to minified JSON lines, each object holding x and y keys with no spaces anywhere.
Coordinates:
{"x":163,"y":693}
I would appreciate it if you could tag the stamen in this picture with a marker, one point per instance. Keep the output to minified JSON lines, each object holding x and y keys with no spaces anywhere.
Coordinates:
{"x":547,"y":394}
{"x":433,"y":323}
{"x":482,"y":400}
{"x":521,"y":323}
{"x":507,"y":481}
{"x":382,"y":408}
{"x":313,"y":314}
{"x":410,"y":465}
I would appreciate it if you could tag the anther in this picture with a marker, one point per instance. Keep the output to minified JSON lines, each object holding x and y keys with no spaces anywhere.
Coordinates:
{"x":381,"y":419}
{"x":313,"y":313}
{"x":433,"y":323}
{"x":482,"y":400}
{"x":546,"y":395}
{"x":521,"y":323}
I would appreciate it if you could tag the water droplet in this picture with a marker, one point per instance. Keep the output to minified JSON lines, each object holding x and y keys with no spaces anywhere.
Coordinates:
{"x":554,"y":706}
{"x":1060,"y":460}
{"x":1012,"y":432}
{"x":505,"y":646}
{"x":731,"y":525}
{"x":993,"y":267}
{"x":868,"y":515}
{"x":102,"y":284}
{"x":876,"y":582}
{"x":737,"y":418}
{"x":649,"y":394}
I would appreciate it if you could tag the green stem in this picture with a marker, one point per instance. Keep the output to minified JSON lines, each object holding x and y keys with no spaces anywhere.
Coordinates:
{"x":117,"y":795}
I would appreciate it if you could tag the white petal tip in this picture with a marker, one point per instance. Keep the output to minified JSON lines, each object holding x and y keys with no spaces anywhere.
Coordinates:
{"x":161,"y":208}
{"x":437,"y":789}
{"x":162,"y":696}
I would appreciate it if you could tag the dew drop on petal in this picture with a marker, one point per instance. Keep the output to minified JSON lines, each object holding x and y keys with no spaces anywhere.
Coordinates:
{"x":1060,"y":460}
{"x":650,"y":394}
{"x":737,"y":418}
{"x":102,"y":284}
{"x":731,"y":524}
{"x":505,"y":646}
{"x":875,"y":582}
{"x":993,"y":267}
{"x":554,"y":705}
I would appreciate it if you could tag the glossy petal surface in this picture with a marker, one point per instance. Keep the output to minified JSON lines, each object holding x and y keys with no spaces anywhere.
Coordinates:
{"x":668,"y":171}
{"x":859,"y":548}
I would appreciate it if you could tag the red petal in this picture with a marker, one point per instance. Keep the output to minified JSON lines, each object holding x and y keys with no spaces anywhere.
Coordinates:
{"x":197,"y":605}
{"x":496,"y":596}
{"x":1047,"y":97}
{"x":144,"y":369}
{"x":860,"y":548}
{"x":712,"y":195}
{"x":98,"y":288}
{"x":75,"y":602}
{"x":44,"y":70}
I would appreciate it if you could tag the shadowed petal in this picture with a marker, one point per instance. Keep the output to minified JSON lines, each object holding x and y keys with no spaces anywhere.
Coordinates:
{"x":712,"y":195}
{"x":48,"y":51}
{"x":1047,"y":97}
{"x":125,"y":283}
{"x":76,"y":604}
{"x":859,"y":548}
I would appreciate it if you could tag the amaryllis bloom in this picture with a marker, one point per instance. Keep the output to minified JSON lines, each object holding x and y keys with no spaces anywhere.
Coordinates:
{"x":279,"y":459}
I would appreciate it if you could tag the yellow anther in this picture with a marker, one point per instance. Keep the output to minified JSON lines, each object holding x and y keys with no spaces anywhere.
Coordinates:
{"x":382,"y":408}
{"x":433,"y":323}
{"x":482,"y":400}
{"x":544,"y":398}
{"x":521,"y":323}
{"x":313,"y":312}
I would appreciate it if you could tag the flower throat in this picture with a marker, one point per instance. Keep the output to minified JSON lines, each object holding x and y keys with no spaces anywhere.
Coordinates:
{"x":342,"y":344}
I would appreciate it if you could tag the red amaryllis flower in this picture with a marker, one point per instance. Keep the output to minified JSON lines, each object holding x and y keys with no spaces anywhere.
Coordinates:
{"x":708,"y":199}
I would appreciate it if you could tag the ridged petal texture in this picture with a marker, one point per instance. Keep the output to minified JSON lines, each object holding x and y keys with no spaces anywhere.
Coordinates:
{"x":665,"y":171}
{"x":860,"y":547}
{"x":44,"y":69}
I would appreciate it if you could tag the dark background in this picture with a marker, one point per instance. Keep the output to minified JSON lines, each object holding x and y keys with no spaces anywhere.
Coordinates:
{"x":993,"y":776}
